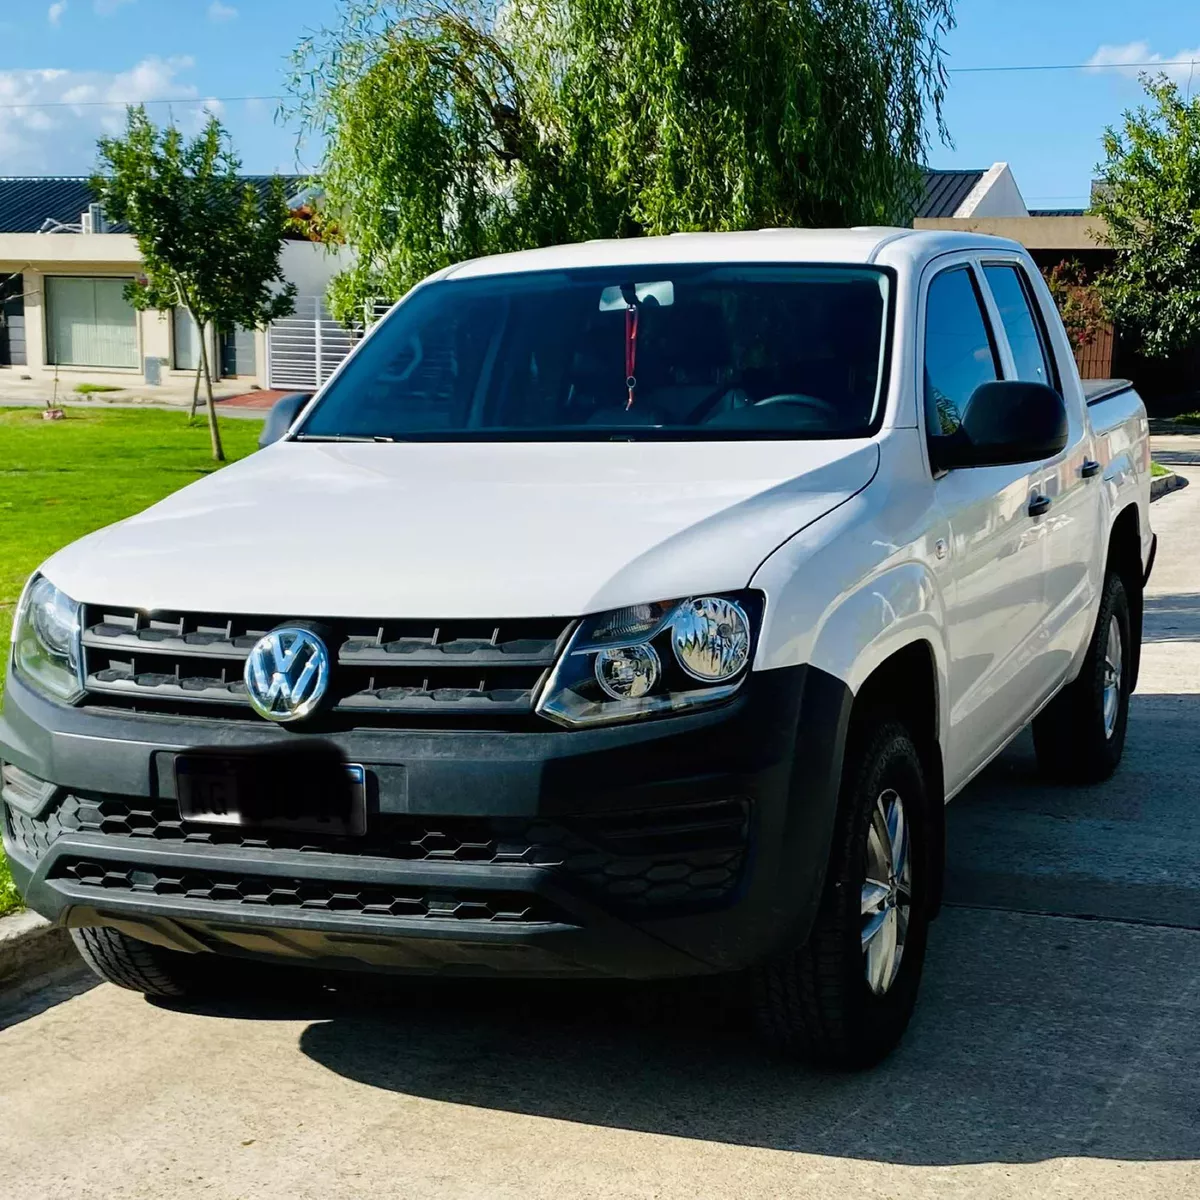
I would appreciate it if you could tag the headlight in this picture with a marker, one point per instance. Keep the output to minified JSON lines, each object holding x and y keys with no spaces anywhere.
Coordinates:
{"x":652,"y":659}
{"x":46,"y":640}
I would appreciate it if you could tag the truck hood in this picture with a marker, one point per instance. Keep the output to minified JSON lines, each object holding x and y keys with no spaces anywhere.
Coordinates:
{"x":465,"y":530}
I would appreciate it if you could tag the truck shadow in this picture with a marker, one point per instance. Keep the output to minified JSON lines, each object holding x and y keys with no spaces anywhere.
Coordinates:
{"x":1038,"y":1036}
{"x":1172,"y":618}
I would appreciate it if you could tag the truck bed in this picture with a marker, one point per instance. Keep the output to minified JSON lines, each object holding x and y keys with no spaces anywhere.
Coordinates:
{"x":1096,"y":390}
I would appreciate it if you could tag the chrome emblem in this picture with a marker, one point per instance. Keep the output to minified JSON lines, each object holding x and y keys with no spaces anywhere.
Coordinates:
{"x":287,"y":673}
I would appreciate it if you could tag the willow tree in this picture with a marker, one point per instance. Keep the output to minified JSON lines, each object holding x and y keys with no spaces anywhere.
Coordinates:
{"x":454,"y":130}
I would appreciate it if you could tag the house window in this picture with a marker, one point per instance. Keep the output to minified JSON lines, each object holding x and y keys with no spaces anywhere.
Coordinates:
{"x":187,"y":340}
{"x":12,"y":321}
{"x":89,"y":323}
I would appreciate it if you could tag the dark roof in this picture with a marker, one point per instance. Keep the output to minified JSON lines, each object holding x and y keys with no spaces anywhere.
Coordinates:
{"x":1058,"y":212}
{"x":945,"y":191}
{"x":27,"y":203}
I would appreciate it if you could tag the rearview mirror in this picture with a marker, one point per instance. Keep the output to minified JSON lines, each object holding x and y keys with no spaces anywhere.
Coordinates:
{"x":1008,"y":421}
{"x":279,"y":420}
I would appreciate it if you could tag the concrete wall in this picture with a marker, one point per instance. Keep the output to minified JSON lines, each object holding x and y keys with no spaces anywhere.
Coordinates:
{"x":1034,"y":233}
{"x":311,"y":266}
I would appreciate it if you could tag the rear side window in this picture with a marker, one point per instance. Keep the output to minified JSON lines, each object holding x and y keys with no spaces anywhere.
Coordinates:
{"x":960,"y":353}
{"x":1022,"y":324}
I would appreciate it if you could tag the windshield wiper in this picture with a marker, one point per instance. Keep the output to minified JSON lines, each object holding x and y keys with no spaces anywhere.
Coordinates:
{"x":339,"y":437}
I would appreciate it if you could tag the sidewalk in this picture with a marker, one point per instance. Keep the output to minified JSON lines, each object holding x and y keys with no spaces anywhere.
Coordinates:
{"x":172,"y":394}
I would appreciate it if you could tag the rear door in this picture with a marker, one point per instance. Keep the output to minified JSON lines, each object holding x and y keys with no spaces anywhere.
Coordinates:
{"x":995,"y":602}
{"x":1070,"y":526}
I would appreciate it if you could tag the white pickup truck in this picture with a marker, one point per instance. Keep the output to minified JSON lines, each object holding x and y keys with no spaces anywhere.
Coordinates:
{"x":626,"y":609}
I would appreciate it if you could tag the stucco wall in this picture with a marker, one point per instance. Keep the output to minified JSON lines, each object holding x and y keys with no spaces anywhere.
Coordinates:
{"x":309,"y":266}
{"x":1034,"y":233}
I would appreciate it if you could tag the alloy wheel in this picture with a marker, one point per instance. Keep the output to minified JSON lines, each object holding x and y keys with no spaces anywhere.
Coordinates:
{"x":1112,"y":676}
{"x":886,"y":892}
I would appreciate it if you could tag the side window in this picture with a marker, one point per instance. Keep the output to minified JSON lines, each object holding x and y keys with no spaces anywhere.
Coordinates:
{"x":959,"y":351}
{"x":1022,"y":322}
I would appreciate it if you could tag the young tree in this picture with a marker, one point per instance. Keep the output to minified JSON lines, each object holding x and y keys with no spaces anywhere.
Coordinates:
{"x":1149,"y":196}
{"x":455,"y":128}
{"x":209,"y":241}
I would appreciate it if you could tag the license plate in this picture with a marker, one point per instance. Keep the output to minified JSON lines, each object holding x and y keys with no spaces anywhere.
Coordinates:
{"x":290,"y":792}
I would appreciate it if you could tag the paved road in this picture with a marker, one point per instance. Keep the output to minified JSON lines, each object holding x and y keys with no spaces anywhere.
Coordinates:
{"x":1056,"y":1052}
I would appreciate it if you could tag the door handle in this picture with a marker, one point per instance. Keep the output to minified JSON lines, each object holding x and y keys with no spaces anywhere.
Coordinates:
{"x":1038,"y":504}
{"x":1090,"y":468}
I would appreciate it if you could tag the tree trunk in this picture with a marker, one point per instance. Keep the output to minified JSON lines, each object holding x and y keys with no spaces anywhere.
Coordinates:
{"x":195,"y":392}
{"x":217,"y":452}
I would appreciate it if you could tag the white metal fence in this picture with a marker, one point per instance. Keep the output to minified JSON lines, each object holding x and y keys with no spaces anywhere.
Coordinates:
{"x":303,"y":350}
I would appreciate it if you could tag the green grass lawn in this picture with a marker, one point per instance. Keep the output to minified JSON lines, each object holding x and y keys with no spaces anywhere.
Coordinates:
{"x":62,"y":479}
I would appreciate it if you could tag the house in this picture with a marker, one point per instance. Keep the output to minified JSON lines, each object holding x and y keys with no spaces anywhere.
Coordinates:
{"x":989,"y":201}
{"x":63,"y":271}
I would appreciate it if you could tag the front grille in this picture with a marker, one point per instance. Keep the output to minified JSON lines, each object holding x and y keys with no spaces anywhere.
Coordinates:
{"x":354,"y":898}
{"x":183,"y":662}
{"x":688,"y":856}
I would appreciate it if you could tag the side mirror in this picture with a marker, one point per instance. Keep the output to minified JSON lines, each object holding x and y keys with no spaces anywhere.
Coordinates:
{"x":279,"y":420}
{"x":1009,"y":421}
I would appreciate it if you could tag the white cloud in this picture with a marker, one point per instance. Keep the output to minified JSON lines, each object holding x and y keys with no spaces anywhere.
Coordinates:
{"x":62,"y":139}
{"x":55,"y":12}
{"x":107,"y":7}
{"x":221,"y":12}
{"x":1131,"y":59}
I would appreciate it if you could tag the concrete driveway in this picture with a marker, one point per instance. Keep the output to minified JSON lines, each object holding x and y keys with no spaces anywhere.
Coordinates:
{"x":1056,"y":1051}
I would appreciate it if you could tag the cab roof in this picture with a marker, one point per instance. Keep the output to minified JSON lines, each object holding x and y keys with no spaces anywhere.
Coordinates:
{"x":863,"y":245}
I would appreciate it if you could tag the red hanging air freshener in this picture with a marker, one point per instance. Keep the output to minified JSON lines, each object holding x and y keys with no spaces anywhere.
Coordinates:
{"x":631,"y":328}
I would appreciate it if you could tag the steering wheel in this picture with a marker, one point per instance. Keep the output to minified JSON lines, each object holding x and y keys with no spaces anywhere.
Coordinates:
{"x":799,"y":400}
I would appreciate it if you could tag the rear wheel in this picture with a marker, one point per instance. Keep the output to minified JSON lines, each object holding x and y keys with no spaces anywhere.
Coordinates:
{"x":1080,"y":736}
{"x":845,"y":997}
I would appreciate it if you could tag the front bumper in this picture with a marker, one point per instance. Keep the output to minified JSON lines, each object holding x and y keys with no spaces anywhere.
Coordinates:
{"x":686,"y":845}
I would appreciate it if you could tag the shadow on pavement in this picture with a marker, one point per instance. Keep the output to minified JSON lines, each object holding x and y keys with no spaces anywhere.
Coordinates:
{"x":1177,"y":458}
{"x":1172,"y":618}
{"x":1037,"y":1037}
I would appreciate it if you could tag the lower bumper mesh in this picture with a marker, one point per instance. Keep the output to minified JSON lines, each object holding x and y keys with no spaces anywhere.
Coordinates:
{"x":681,"y":857}
{"x":349,"y":897}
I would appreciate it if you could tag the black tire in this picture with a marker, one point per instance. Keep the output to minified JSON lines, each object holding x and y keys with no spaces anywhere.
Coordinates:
{"x":139,"y":966}
{"x":814,"y":1003}
{"x":1071,"y":735}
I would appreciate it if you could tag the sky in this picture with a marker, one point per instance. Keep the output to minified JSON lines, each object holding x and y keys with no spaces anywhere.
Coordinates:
{"x":66,"y":54}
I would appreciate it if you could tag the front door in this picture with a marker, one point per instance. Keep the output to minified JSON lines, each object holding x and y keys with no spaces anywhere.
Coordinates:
{"x":237,"y":352}
{"x":995,"y":601}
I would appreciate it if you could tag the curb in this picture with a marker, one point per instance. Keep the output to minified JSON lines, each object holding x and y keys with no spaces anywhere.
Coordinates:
{"x":1164,"y":485}
{"x":29,"y":947}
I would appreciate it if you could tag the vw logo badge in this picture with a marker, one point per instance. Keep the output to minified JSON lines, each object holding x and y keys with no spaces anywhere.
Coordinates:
{"x":287,"y":673}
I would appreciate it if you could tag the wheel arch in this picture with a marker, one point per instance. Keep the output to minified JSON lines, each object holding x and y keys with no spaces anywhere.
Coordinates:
{"x":1125,"y":558}
{"x":906,"y":687}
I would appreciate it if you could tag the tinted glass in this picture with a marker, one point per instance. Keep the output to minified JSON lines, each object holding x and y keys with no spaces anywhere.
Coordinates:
{"x":1024,"y":331}
{"x":713,"y":351}
{"x":959,"y":355}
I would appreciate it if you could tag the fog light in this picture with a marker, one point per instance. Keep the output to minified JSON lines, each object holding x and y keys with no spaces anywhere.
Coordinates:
{"x":627,"y":673}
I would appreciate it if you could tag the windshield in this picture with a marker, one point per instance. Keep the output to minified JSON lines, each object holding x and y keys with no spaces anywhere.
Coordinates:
{"x":669,"y":352}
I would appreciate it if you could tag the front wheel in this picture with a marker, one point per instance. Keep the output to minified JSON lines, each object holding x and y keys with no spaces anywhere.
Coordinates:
{"x":141,"y":967}
{"x":1080,"y":736}
{"x":845,"y":997}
